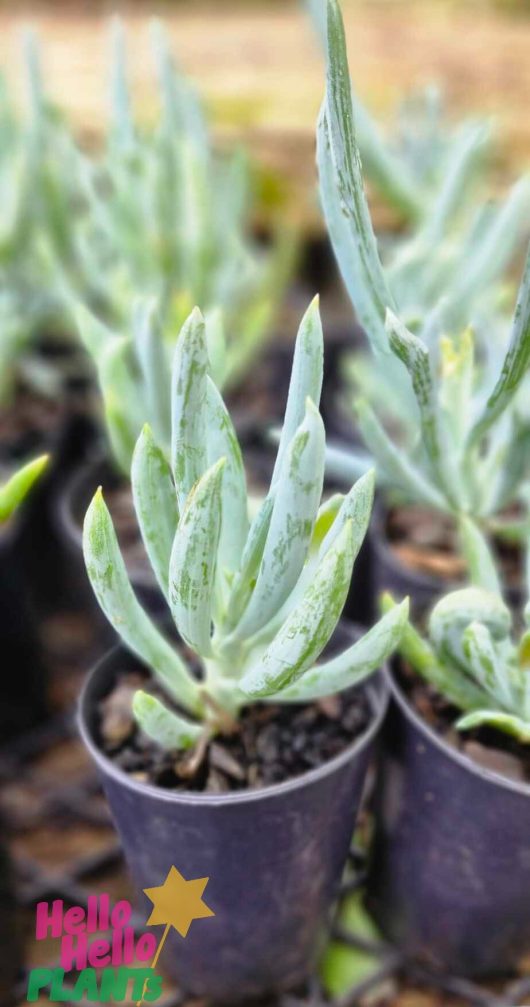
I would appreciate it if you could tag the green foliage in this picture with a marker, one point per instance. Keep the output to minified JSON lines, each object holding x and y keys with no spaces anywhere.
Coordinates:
{"x":439,"y":413}
{"x":167,"y":216}
{"x":255,"y":600}
{"x":472,"y":654}
{"x":445,"y":270}
{"x":37,"y":165}
{"x":15,"y":490}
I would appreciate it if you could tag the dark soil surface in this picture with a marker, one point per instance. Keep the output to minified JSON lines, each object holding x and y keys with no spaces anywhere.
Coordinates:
{"x":427,"y":543}
{"x":269,"y":744}
{"x":486,"y":747}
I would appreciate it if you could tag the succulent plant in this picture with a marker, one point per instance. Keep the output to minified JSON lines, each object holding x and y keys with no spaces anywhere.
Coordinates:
{"x":410,"y":167}
{"x":444,"y":273}
{"x":167,"y":216}
{"x":36,"y":153}
{"x":472,"y":655}
{"x":459,"y":433}
{"x":15,"y":490}
{"x":255,"y":601}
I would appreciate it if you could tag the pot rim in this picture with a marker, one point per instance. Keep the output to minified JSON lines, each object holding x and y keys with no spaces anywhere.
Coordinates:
{"x":376,"y":686}
{"x":409,"y":711}
{"x":382,"y":546}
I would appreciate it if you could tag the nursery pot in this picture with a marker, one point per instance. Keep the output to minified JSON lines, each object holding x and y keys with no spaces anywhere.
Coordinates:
{"x":389,"y":573}
{"x":274,"y":857}
{"x":24,"y":700}
{"x":449,"y":880}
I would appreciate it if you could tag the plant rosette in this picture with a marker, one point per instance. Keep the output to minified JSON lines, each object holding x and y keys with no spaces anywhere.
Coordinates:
{"x":450,"y":871}
{"x":255,"y":601}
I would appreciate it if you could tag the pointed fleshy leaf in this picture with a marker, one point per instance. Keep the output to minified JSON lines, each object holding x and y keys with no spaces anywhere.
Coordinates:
{"x":349,"y":199}
{"x":478,"y":557}
{"x":357,"y":508}
{"x":353,"y":665}
{"x":162,"y":725}
{"x":396,"y":467}
{"x":111,"y":585}
{"x":246,"y":576}
{"x":188,"y":404}
{"x":515,"y":363}
{"x":294,"y":512}
{"x":505,"y":722}
{"x":193,"y":562}
{"x":153,"y":359}
{"x":121,"y":110}
{"x":309,"y":626}
{"x":415,"y":355}
{"x":14,"y":491}
{"x":305,"y":382}
{"x":487,"y":664}
{"x":155,"y":503}
{"x":223,"y":443}
{"x":448,"y":680}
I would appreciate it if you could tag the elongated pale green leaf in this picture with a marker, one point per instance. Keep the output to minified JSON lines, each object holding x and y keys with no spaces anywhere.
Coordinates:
{"x":448,"y":680}
{"x":294,"y":512}
{"x":155,"y":502}
{"x":153,"y":358}
{"x":121,"y":111}
{"x":162,"y":725}
{"x":505,"y":722}
{"x":386,"y":171}
{"x":415,"y":355}
{"x":306,"y":379}
{"x":462,"y":163}
{"x":357,"y":508}
{"x":246,"y":576}
{"x":193,"y":562}
{"x":395,"y":465}
{"x":13,"y":492}
{"x":354,"y":664}
{"x":344,"y":153}
{"x":120,"y":397}
{"x":111,"y":585}
{"x":515,"y":363}
{"x":308,"y":628}
{"x":223,"y":443}
{"x":487,"y":663}
{"x":188,"y":402}
{"x":94,"y":334}
{"x":491,"y":256}
{"x":478,"y":557}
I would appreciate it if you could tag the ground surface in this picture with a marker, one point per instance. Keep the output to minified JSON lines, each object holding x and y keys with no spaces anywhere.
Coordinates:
{"x":260,"y":68}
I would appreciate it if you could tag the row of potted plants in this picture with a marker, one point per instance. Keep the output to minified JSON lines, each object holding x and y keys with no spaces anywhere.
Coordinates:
{"x":250,"y":731}
{"x":252,"y":708}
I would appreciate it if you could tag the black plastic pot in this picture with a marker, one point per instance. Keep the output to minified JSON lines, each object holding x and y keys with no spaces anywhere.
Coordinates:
{"x":24,"y":685}
{"x":449,"y":879}
{"x":10,"y":943}
{"x":274,"y":857}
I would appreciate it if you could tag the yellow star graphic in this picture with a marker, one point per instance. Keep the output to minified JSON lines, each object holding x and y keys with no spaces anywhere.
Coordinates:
{"x":178,"y":902}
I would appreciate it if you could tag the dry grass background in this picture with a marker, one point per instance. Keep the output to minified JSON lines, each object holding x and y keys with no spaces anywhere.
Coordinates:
{"x":260,"y":69}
